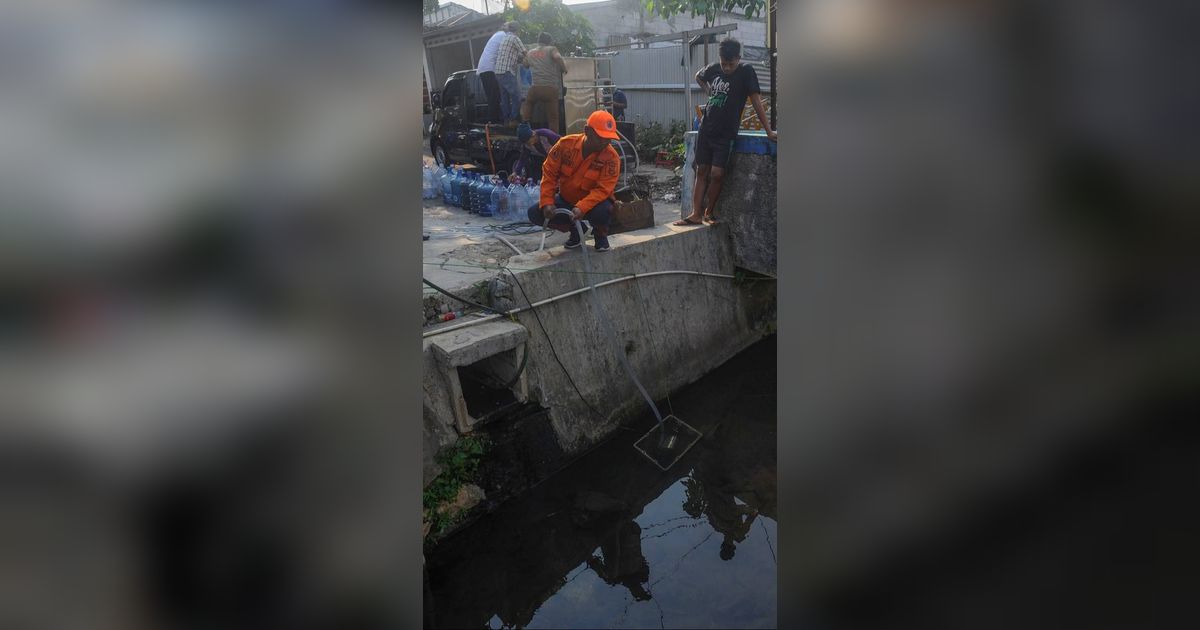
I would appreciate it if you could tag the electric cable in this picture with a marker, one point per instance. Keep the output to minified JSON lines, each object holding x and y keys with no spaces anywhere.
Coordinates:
{"x":460,"y":299}
{"x":521,"y":367}
{"x":553,"y":350}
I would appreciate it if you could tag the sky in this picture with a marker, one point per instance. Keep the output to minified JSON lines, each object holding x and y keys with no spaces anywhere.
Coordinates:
{"x":497,"y":5}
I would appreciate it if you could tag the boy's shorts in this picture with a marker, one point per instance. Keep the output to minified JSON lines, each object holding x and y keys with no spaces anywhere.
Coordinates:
{"x":714,"y":153}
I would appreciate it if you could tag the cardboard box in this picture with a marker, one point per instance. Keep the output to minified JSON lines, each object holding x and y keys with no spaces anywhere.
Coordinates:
{"x":630,"y":212}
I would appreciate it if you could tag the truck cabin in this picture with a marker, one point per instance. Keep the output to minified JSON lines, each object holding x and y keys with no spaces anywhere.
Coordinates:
{"x":463,"y":97}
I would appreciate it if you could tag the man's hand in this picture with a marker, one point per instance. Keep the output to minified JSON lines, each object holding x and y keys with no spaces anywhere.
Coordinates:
{"x":773,"y":135}
{"x":548,"y":210}
{"x":576,"y":213}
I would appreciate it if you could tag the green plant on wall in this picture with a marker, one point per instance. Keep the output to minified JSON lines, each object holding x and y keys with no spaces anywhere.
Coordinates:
{"x":459,"y":463}
{"x":569,"y":29}
{"x":653,"y":137}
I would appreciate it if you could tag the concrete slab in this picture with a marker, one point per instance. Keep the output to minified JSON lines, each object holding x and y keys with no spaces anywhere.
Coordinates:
{"x":468,"y":345}
{"x":462,"y":249}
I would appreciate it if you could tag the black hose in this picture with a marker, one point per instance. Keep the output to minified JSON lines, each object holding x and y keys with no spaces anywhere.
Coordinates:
{"x":550,"y":342}
{"x":520,"y":368}
{"x":460,"y":299}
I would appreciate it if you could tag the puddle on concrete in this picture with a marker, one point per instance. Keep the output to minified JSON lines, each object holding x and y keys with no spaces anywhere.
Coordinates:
{"x":614,"y":542}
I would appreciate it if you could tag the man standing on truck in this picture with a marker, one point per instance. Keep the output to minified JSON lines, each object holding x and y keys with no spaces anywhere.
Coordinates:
{"x":728,"y":83}
{"x":581,"y":174}
{"x":498,"y":72}
{"x":548,"y":68}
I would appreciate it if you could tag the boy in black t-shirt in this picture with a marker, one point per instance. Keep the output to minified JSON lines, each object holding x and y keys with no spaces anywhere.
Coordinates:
{"x":728,"y":84}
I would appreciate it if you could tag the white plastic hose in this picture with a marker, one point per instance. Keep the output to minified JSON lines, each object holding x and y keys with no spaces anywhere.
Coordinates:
{"x":568,"y":294}
{"x":608,"y":329}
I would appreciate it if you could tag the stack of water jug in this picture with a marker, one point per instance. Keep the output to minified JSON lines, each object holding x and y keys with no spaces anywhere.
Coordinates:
{"x":478,"y":193}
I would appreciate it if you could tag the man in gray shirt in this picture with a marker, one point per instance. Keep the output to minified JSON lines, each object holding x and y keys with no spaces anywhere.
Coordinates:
{"x":548,"y":67}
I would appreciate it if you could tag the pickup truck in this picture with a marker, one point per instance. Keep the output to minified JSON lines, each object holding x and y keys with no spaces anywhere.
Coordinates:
{"x":455,"y":136}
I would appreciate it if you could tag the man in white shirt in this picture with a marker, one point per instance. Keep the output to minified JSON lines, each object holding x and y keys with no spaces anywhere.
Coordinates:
{"x":497,"y":71}
{"x":487,"y":74}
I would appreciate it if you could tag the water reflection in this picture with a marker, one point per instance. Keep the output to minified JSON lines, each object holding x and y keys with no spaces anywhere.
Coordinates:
{"x":614,"y":542}
{"x":622,"y":561}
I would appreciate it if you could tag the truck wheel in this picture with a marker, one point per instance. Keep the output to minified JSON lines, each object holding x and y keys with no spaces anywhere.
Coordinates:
{"x":507,"y":164}
{"x":439,"y":156}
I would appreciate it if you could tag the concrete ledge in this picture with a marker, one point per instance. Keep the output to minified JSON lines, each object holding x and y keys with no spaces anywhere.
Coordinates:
{"x":468,"y":345}
{"x":672,"y":328}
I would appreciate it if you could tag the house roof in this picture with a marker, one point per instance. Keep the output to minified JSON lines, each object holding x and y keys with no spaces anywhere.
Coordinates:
{"x":462,"y":30}
{"x":463,"y":16}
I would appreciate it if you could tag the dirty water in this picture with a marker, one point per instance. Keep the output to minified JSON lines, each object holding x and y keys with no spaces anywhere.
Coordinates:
{"x":613,"y":542}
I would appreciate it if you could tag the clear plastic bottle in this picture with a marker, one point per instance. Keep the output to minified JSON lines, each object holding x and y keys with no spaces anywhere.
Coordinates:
{"x":500,"y":202}
{"x":518,"y":202}
{"x":426,"y":182}
{"x":439,"y":174}
{"x":535,"y":191}
{"x":485,"y":196}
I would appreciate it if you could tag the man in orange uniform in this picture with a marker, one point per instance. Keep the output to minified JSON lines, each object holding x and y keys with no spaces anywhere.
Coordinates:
{"x":580,"y":174}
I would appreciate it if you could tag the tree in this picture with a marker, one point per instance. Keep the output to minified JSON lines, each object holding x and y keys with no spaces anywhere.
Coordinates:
{"x":568,"y":28}
{"x":707,"y":8}
{"x":428,"y":6}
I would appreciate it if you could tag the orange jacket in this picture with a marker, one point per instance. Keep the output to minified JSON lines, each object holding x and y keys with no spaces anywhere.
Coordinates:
{"x":582,"y":182}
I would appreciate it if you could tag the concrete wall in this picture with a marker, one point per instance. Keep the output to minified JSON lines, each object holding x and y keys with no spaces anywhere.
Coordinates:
{"x":747,"y":206}
{"x":673,"y":329}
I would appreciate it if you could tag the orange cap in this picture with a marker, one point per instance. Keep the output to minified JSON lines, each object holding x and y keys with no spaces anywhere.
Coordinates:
{"x":603,"y":124}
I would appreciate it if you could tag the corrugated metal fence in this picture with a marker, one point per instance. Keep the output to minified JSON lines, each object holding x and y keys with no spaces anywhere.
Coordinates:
{"x":653,"y":80}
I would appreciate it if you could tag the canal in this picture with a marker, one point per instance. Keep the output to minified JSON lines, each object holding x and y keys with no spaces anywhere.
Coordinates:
{"x":611,"y":541}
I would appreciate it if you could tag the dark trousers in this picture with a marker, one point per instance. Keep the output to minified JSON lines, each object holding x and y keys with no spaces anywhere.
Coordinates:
{"x":491,"y":87}
{"x":534,"y":166}
{"x":598,"y":216}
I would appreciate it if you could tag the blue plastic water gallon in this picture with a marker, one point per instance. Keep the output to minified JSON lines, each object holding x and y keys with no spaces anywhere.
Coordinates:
{"x":473,"y":193}
{"x":456,"y":187}
{"x":468,"y":181}
{"x":485,"y":197}
{"x":447,"y":177}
